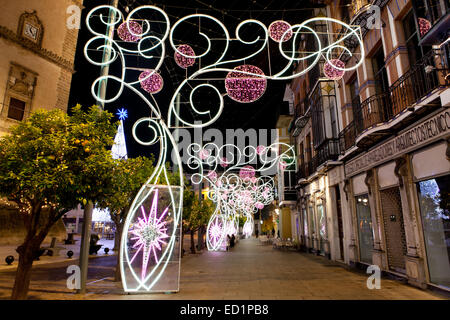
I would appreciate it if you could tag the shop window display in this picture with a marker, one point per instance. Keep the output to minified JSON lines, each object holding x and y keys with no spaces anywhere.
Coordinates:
{"x":312,"y":224}
{"x":434,"y":201}
{"x":305,"y":222}
{"x":322,"y":227}
{"x":364,"y":228}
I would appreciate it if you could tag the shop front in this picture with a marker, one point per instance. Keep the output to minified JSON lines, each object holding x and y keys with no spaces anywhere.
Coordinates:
{"x":313,"y":217}
{"x":398,"y":196}
{"x":431,"y":169}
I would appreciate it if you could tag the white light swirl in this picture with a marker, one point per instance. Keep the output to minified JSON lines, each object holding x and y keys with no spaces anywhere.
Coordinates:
{"x":234,"y":196}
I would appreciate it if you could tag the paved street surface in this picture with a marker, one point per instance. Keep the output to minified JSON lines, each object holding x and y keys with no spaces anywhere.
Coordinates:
{"x":249,"y":271}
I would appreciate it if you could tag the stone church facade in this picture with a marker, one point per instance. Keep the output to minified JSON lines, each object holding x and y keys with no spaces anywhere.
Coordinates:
{"x":37,"y":51}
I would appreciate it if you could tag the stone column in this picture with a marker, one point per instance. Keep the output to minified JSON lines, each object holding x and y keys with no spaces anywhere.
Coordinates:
{"x":415,"y":266}
{"x":332,"y":220}
{"x":353,"y":247}
{"x":379,"y":255}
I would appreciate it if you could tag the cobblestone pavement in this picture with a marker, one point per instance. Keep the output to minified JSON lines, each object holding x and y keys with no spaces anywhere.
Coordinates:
{"x":249,"y":271}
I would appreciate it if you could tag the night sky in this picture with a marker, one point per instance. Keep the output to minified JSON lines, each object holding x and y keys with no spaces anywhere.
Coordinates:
{"x":260,"y":114}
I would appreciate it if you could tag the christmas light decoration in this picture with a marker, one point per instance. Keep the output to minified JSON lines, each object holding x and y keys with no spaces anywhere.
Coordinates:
{"x":215,"y":232}
{"x":237,"y":191}
{"x":283,"y":165}
{"x":151,"y":81}
{"x":259,"y":205}
{"x":247,"y":172}
{"x":224,"y":162}
{"x":424,"y":26}
{"x":150,"y":234}
{"x":204,"y":154}
{"x":212,"y":175}
{"x":260,"y":150}
{"x":280,"y":31}
{"x":334,"y":69}
{"x":119,"y":148}
{"x":247,"y":230}
{"x":122,"y":114}
{"x":246,"y":86}
{"x":130,"y":32}
{"x":183,"y":56}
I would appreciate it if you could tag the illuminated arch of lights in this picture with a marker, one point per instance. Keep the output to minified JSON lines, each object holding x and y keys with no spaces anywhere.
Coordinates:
{"x":136,"y":37}
{"x":239,"y":189}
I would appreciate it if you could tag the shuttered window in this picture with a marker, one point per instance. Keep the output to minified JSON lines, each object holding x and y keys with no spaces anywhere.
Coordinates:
{"x":16,"y":109}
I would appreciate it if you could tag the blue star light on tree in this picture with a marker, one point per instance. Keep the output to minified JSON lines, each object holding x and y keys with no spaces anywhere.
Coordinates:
{"x":122,"y":114}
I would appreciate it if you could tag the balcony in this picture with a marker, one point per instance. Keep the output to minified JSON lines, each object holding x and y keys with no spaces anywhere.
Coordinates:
{"x":357,"y":5}
{"x":304,"y":171}
{"x":347,"y":137}
{"x":405,"y":94}
{"x":328,"y":151}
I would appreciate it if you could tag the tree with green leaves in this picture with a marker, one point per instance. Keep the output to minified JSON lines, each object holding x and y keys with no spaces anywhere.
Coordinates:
{"x":267,"y":225}
{"x":50,"y":163}
{"x":196,"y":214}
{"x":128,"y":176}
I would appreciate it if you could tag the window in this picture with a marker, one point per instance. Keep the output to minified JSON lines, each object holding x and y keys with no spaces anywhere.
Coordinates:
{"x":312,"y":222}
{"x":333,"y":117}
{"x":354,"y":90}
{"x":355,"y":100}
{"x":308,"y":147}
{"x":305,"y":223}
{"x":415,"y":52}
{"x":434,"y":202}
{"x":322,"y":227}
{"x":379,"y":72}
{"x":364,"y":228}
{"x":301,"y":154}
{"x":16,"y":109}
{"x":431,"y":10}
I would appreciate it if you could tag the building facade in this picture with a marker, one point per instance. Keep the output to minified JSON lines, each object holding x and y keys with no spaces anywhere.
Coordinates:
{"x":37,"y":49}
{"x":373,"y":148}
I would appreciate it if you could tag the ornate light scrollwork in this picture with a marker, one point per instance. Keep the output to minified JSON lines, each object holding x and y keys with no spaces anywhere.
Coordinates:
{"x":150,"y":47}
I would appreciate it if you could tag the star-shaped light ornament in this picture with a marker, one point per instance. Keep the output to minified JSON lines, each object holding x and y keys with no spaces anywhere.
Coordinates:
{"x":215,"y":231}
{"x":122,"y":114}
{"x":149,"y":233}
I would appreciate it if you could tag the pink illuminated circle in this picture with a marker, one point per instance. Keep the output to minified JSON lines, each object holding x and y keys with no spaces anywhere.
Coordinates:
{"x":277,"y":29}
{"x":424,"y":26}
{"x":224,"y":162}
{"x":259,"y":205}
{"x":245,"y":88}
{"x":260,"y":149}
{"x":247,"y":172}
{"x":151,"y":84}
{"x":330,"y":70}
{"x":212,"y":175}
{"x":182,"y":61}
{"x":204,"y":154}
{"x":283,"y":165}
{"x":123,"y":31}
